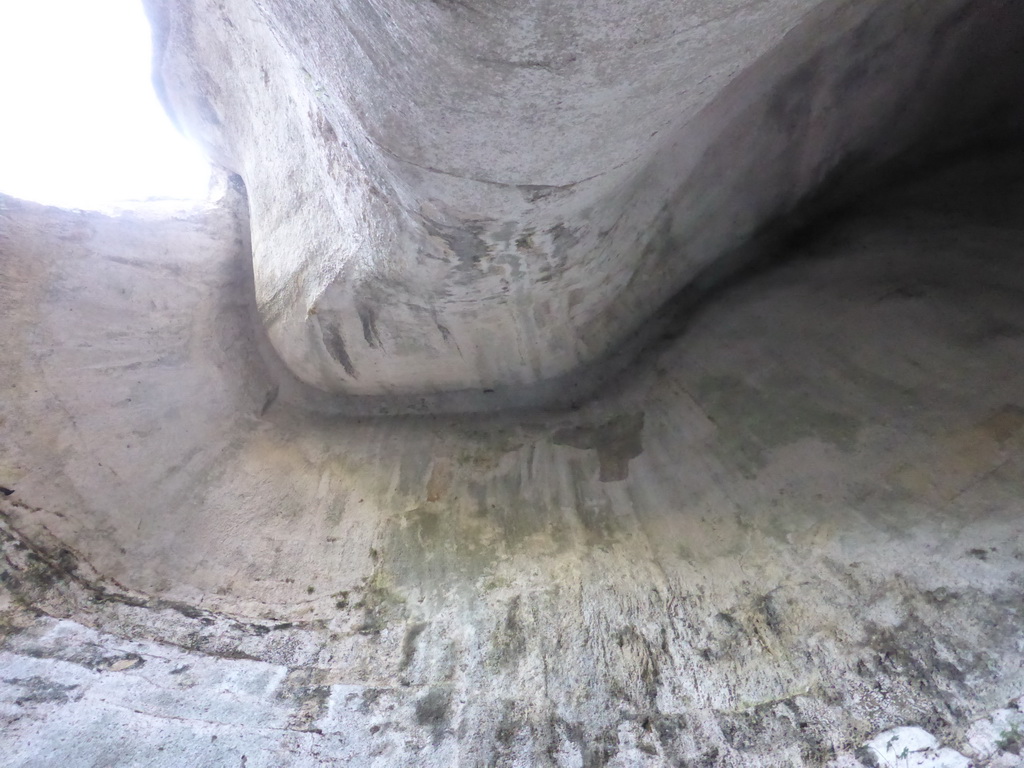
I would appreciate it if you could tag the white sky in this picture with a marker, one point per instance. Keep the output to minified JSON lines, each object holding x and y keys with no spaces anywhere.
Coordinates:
{"x":80,"y":124}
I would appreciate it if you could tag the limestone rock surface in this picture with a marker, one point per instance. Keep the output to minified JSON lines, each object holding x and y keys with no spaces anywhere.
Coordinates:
{"x":795,"y":525}
{"x":476,"y":205}
{"x":776,"y":522}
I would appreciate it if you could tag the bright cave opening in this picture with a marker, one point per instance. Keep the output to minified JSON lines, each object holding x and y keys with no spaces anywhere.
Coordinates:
{"x":82,"y":126}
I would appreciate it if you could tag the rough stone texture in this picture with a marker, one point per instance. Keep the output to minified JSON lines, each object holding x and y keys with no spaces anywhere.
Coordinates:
{"x":489,"y":199}
{"x":787,"y":532}
{"x":795,"y":524}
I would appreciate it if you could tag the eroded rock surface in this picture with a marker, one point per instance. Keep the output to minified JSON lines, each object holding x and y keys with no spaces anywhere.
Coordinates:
{"x":789,"y":534}
{"x":794,"y":526}
{"x":473,"y":205}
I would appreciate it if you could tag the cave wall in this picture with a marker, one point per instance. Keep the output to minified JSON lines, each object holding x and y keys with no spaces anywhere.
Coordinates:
{"x":795,"y":524}
{"x":470,"y":207}
{"x":773,"y":524}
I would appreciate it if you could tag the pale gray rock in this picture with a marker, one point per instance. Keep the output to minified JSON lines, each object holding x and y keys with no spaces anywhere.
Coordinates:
{"x":794,"y":525}
{"x":475,"y":205}
{"x":780,"y":524}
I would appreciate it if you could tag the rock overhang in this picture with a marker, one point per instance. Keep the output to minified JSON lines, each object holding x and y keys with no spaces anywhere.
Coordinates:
{"x":459,"y":206}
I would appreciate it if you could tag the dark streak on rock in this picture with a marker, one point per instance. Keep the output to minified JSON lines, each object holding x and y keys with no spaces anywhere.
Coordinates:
{"x":616,"y":441}
{"x":39,"y":690}
{"x":368,"y":317}
{"x":269,"y":400}
{"x":409,"y":643}
{"x":432,"y":712}
{"x":510,"y":638}
{"x":445,"y":333}
{"x":335,"y":345}
{"x":465,"y":243}
{"x":39,"y":572}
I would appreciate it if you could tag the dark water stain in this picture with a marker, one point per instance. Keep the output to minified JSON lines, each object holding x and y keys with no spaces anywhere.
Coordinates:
{"x":409,"y":643}
{"x":601,"y":750}
{"x":616,"y":441}
{"x":335,"y":344}
{"x":39,"y":690}
{"x":368,"y":318}
{"x":369,"y":699}
{"x":466,"y":243}
{"x":381,"y":607}
{"x":446,"y":334}
{"x":433,"y":712}
{"x":509,"y":643}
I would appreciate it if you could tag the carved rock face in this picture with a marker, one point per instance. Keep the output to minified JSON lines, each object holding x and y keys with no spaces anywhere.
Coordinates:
{"x":793,"y":526}
{"x":463,"y":205}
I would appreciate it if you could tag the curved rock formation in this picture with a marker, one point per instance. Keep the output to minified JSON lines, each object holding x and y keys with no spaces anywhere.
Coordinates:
{"x":490,"y":199}
{"x":789,"y":534}
{"x":793,"y":526}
